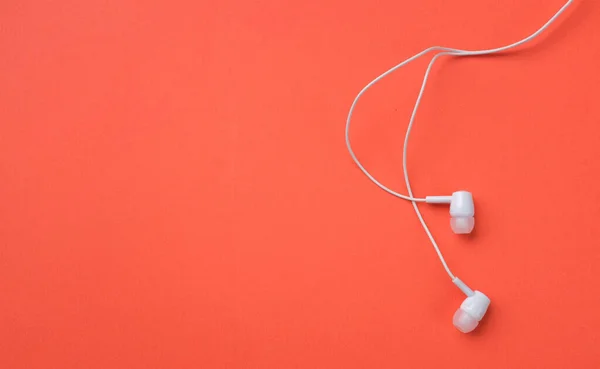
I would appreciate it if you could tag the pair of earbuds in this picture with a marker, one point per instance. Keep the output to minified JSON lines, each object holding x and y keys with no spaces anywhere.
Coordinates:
{"x":462,"y":209}
{"x":462,"y":221}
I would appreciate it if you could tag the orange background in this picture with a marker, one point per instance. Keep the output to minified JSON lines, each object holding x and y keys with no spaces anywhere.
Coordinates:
{"x":176,"y":193}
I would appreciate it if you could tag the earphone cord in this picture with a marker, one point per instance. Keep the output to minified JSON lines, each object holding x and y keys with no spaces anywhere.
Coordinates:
{"x":444,"y":51}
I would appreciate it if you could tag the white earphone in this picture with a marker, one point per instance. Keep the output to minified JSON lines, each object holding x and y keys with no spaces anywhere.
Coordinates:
{"x":462,"y":209}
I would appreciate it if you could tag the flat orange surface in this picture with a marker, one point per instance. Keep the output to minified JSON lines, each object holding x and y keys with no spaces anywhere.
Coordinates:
{"x":175,"y":191}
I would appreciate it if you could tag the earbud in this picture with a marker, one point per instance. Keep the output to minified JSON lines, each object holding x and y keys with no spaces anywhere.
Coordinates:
{"x":462,"y":212}
{"x":471,"y":311}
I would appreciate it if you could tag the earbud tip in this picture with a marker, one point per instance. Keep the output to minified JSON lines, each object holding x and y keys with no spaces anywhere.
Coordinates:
{"x":462,"y":225}
{"x":464,"y":322}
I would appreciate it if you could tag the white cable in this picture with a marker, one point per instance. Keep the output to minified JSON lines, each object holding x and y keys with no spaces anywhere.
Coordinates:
{"x":445,"y":51}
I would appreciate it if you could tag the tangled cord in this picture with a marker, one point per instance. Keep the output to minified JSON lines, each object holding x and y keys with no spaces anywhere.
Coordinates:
{"x":444,"y":51}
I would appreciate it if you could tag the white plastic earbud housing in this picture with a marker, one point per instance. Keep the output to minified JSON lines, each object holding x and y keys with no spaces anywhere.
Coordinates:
{"x":462,"y":212}
{"x":471,"y":311}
